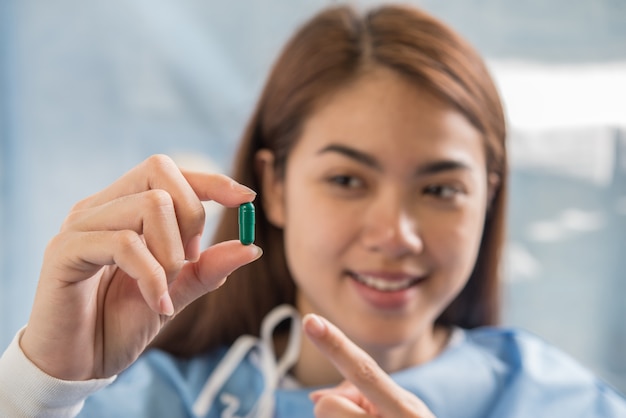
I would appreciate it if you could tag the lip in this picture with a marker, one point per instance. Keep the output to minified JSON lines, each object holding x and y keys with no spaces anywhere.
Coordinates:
{"x":386,"y":281}
{"x":386,"y":290}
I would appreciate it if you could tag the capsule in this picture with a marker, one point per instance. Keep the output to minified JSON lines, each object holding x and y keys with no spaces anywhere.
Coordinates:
{"x":246,"y":223}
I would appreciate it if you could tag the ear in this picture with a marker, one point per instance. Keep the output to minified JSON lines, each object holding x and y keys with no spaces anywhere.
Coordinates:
{"x":493,"y":185}
{"x":272,"y":188}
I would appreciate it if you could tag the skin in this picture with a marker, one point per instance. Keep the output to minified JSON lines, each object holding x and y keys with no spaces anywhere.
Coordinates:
{"x":367,"y":390}
{"x":116,"y":271}
{"x":386,"y":181}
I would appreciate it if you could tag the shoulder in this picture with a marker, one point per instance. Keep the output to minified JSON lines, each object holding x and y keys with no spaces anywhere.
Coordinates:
{"x":511,"y":343}
{"x":496,"y":372}
{"x":532,"y":369}
{"x":522,"y":352}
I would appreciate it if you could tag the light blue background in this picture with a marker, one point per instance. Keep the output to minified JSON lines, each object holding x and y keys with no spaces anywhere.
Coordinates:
{"x":89,"y":89}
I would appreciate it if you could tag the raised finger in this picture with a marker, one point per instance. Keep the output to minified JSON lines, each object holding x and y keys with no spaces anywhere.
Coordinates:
{"x":356,"y":366}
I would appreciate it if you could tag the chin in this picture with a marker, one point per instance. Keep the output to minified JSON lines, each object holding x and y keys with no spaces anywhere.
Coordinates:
{"x":385,"y":337}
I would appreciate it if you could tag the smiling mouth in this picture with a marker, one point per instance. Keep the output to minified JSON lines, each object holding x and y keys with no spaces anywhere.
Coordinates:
{"x":385,"y":285}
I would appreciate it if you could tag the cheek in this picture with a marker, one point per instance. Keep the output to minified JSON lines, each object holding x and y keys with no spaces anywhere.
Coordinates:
{"x":316,"y":231}
{"x":455,"y":240}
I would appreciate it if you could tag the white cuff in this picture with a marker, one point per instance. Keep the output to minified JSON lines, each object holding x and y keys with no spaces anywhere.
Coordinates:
{"x":27,"y":391}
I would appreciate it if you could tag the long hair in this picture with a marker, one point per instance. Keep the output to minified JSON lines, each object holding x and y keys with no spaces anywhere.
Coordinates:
{"x":332,"y":49}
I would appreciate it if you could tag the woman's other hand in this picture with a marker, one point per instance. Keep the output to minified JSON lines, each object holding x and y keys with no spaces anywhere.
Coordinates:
{"x":367,"y":391}
{"x":127,"y":259}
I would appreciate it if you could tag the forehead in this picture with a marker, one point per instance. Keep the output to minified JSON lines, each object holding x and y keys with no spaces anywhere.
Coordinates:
{"x":385,"y":113}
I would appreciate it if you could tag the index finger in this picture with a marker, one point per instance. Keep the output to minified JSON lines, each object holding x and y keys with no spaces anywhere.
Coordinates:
{"x":161,"y":172}
{"x":356,"y":366}
{"x":187,"y":190}
{"x":219,"y":188}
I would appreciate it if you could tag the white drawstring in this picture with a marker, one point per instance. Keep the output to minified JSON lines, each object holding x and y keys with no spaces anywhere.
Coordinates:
{"x":222,"y":372}
{"x":271,"y":370}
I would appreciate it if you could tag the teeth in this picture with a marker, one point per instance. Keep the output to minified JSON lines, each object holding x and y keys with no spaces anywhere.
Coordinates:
{"x":384,"y":285}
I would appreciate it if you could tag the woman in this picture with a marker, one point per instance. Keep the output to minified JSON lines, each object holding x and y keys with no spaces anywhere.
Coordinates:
{"x":378,"y":153}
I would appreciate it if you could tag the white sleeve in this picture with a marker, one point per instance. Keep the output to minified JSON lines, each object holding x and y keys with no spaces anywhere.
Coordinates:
{"x":26,"y":391}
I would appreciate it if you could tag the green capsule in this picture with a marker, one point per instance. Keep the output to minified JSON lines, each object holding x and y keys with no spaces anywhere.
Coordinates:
{"x":246,"y":223}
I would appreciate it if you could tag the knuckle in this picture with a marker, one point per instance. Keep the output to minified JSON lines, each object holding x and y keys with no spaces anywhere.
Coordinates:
{"x":76,"y":213}
{"x":159,"y":199}
{"x":69,"y":222}
{"x":173,"y":266}
{"x":198,"y":215}
{"x":324,"y":407}
{"x":80,"y":205}
{"x":74,"y":216}
{"x":157,"y":271}
{"x":58,"y":241}
{"x":160,"y":163}
{"x":367,"y":371}
{"x":128,"y":241}
{"x":172,"y":259}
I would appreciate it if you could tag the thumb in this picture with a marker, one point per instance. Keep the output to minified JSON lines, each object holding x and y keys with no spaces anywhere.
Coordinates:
{"x":210,"y":271}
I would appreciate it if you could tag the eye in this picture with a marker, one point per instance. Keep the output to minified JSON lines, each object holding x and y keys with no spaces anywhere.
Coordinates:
{"x":346,"y":181}
{"x":442,"y":191}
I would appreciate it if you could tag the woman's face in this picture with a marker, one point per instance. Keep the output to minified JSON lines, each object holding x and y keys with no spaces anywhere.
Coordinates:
{"x":382,"y":206}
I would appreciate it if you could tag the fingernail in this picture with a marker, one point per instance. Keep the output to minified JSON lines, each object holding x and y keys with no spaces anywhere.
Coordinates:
{"x":259,"y":252}
{"x":315,"y":396}
{"x":165,"y":304}
{"x":192,"y":252}
{"x":243,"y":189}
{"x":314,"y":325}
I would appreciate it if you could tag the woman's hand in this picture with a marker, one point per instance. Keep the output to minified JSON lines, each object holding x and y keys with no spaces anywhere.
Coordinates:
{"x":367,"y":391}
{"x":125,"y":260}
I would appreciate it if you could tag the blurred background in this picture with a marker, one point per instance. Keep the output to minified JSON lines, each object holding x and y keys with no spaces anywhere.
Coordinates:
{"x":90,"y":89}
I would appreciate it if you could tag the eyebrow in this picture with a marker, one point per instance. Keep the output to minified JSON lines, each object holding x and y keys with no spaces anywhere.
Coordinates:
{"x":353,"y":154}
{"x":442,"y":166}
{"x":430,"y":168}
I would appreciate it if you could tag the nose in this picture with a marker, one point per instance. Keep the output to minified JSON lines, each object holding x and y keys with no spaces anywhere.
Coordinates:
{"x":390,"y":228}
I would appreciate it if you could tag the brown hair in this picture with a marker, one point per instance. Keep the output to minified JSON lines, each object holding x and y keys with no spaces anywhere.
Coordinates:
{"x":328,"y":51}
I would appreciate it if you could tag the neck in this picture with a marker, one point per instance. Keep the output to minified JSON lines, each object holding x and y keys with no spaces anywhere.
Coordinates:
{"x":313,"y":369}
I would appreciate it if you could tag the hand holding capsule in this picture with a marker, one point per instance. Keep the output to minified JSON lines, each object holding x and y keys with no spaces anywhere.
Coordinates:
{"x":118,"y":268}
